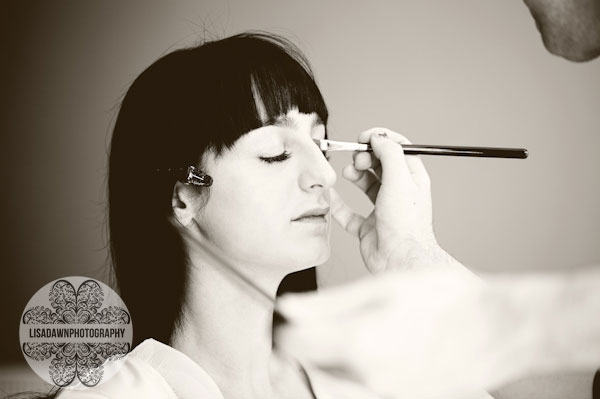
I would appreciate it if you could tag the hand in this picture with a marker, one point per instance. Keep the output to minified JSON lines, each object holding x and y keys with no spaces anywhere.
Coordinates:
{"x":398,"y":233}
{"x":410,"y":334}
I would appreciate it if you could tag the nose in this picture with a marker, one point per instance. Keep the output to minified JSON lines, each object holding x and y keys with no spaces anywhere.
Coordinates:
{"x":317,"y":172}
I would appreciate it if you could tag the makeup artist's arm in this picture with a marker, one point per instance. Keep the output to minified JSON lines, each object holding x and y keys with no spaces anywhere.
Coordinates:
{"x":398,"y":233}
{"x":410,"y":334}
{"x":423,"y":325}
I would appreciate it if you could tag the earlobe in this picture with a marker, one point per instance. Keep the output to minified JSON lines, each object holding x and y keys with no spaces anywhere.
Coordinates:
{"x":181,"y":203}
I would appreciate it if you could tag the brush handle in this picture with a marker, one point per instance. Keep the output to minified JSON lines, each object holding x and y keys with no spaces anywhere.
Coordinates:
{"x":459,"y":151}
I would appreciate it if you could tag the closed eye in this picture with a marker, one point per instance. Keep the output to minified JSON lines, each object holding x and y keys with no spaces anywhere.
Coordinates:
{"x":279,"y":158}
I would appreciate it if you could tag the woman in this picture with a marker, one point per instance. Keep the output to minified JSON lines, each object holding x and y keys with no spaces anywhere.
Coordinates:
{"x":243,"y":110}
{"x":217,"y":191}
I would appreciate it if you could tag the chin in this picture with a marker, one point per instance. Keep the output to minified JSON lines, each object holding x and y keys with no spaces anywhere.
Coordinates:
{"x":315,"y":255}
{"x":324,"y":256}
{"x":302,"y":252}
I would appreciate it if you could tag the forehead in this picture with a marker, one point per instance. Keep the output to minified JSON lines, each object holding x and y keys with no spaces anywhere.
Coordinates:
{"x":296,"y":120}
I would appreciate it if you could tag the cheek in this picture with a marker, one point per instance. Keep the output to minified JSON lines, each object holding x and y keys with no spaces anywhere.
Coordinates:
{"x":246,"y":216}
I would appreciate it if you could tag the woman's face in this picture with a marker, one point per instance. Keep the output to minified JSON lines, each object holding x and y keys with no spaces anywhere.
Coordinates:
{"x":269,"y":201}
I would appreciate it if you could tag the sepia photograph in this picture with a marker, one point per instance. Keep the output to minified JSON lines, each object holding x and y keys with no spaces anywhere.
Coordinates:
{"x":264,"y":199}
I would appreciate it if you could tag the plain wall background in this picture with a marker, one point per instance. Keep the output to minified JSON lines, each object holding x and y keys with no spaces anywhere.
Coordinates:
{"x":463,"y":72}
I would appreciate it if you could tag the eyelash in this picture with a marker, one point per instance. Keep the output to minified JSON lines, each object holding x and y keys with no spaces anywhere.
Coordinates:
{"x":279,"y":158}
{"x":284,"y":156}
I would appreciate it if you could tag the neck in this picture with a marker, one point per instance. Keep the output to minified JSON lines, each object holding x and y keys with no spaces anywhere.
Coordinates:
{"x":227,"y":327}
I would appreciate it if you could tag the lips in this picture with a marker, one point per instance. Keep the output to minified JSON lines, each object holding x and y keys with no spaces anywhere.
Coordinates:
{"x":314,"y":213}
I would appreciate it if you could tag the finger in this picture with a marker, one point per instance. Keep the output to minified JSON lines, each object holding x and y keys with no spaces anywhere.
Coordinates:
{"x":394,"y":166}
{"x":365,"y":137}
{"x":417,"y":170}
{"x":351,"y":173}
{"x":344,"y":215}
{"x":362,"y":160}
{"x":377,"y":168}
{"x":415,"y":163}
{"x":366,"y":160}
{"x":365,"y":180}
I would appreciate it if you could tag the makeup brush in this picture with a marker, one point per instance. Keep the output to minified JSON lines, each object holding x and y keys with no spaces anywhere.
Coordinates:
{"x":419,"y":149}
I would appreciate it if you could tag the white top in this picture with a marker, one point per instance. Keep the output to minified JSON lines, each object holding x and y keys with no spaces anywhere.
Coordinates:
{"x":154,"y":370}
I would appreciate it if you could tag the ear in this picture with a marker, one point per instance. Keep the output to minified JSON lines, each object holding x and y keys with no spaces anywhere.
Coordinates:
{"x":184,"y":202}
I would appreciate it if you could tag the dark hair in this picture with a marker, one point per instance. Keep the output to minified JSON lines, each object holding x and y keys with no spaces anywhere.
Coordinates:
{"x":187,"y":102}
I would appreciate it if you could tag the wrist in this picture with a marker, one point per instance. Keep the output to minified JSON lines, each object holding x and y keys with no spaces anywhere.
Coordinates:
{"x":425,"y":255}
{"x":416,"y":253}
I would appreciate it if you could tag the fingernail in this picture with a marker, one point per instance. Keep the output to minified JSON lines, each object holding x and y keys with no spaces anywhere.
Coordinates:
{"x":380,"y":136}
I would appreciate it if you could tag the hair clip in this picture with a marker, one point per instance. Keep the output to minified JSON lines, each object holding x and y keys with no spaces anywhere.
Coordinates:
{"x":193,"y":176}
{"x":197,"y":177}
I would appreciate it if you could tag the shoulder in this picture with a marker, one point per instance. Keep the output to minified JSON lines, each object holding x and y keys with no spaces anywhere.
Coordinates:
{"x":134,"y":378}
{"x":153,"y":370}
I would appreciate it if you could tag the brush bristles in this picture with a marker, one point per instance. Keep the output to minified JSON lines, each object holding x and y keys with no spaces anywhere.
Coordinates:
{"x":323,"y":144}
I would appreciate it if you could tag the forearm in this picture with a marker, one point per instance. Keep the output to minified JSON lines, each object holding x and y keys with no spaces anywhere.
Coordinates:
{"x":574,"y":328}
{"x":559,"y":319}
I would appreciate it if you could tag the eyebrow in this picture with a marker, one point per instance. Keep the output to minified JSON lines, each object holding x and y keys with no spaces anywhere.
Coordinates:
{"x":286,"y":121}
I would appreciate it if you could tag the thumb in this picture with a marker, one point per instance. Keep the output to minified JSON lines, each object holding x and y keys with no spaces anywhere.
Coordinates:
{"x":391,"y":155}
